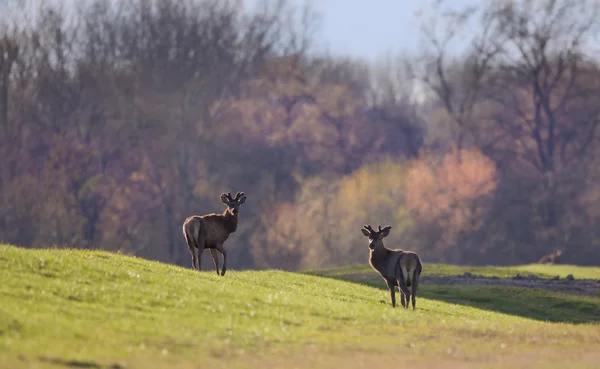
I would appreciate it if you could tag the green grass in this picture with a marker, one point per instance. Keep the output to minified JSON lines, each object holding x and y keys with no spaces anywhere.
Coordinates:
{"x":92,"y":309}
{"x":561,"y":270}
{"x":530,"y":303}
{"x":442,"y":270}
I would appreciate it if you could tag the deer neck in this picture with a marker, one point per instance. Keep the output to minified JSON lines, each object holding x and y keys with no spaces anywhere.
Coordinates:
{"x":231,"y":220}
{"x":379,"y":255}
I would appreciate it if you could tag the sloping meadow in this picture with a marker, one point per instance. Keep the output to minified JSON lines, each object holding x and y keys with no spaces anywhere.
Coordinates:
{"x":68,"y":308}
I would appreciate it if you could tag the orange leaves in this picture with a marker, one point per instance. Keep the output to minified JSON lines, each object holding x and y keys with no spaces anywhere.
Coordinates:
{"x":451,"y":189}
{"x":470,"y":173}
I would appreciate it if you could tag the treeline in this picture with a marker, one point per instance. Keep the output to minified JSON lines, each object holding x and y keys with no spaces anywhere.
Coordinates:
{"x":118,"y":119}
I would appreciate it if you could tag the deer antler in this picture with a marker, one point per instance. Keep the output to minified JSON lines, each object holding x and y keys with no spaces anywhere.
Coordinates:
{"x":239,"y":195}
{"x":368,"y":228}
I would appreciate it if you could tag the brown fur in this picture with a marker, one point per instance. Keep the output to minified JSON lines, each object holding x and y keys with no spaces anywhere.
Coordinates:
{"x":551,"y":258}
{"x":397,"y":267}
{"x":211,"y":230}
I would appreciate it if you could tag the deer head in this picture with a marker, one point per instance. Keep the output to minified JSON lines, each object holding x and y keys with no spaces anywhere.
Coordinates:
{"x":375,"y":237}
{"x":233,"y":203}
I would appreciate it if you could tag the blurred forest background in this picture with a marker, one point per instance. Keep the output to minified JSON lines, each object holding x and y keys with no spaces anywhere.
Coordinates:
{"x":118,"y":119}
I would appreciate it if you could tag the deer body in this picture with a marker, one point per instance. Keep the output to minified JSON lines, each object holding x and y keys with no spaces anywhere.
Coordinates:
{"x":397,"y":267}
{"x":210,"y":231}
{"x":550,"y":258}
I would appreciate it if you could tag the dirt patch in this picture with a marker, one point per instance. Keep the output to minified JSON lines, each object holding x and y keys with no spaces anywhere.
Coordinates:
{"x":568,"y":284}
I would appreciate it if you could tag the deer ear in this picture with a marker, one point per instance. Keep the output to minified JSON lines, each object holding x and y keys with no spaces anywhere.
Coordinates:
{"x":224,"y":199}
{"x":242,"y":200}
{"x":365,"y":232}
{"x":386,"y":231}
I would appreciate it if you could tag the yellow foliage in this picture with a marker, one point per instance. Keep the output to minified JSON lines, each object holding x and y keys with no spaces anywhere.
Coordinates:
{"x":375,"y":185}
{"x":138,"y":176}
{"x":323,"y":224}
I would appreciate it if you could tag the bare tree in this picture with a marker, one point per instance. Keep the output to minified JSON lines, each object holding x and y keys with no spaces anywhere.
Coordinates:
{"x":523,"y":93}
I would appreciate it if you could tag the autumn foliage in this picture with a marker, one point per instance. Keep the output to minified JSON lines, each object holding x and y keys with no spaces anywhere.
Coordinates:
{"x":451,"y":191}
{"x":114,"y":131}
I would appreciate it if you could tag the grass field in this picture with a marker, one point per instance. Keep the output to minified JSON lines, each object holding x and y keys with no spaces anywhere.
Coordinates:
{"x":91,"y":309}
{"x":534,"y":304}
{"x":364,"y":271}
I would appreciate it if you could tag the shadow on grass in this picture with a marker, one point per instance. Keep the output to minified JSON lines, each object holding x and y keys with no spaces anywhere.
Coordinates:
{"x":525,"y":302}
{"x":80,"y":363}
{"x":72,"y":363}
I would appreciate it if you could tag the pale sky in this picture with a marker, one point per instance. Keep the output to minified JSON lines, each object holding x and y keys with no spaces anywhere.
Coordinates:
{"x":371,"y":28}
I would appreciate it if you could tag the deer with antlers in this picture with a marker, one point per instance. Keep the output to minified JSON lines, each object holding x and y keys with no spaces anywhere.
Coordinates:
{"x":397,"y":267}
{"x":211,"y":230}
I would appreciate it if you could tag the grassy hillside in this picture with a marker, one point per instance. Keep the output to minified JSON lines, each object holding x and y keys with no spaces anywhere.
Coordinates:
{"x":525,"y":302}
{"x":82,"y":309}
{"x":364,"y":271}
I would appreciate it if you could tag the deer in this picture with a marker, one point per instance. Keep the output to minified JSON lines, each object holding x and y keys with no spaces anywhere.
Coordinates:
{"x":551,"y":258}
{"x":211,"y":230}
{"x":397,"y":267}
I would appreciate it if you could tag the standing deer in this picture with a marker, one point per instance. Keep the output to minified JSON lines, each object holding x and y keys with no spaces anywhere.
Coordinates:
{"x":211,"y":230}
{"x":397,"y":267}
{"x":551,"y":258}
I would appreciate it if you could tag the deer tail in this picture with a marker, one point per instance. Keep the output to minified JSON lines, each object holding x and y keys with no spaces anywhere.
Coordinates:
{"x":408,"y":270}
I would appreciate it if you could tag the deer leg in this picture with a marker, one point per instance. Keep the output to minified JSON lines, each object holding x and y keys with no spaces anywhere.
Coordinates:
{"x":415,"y":285}
{"x":222,"y":251}
{"x":402,"y":298}
{"x":405,"y":292}
{"x":402,"y":286}
{"x":215,"y":257}
{"x":201,"y":244}
{"x":199,"y":258}
{"x":193,"y":250}
{"x":391,"y":286}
